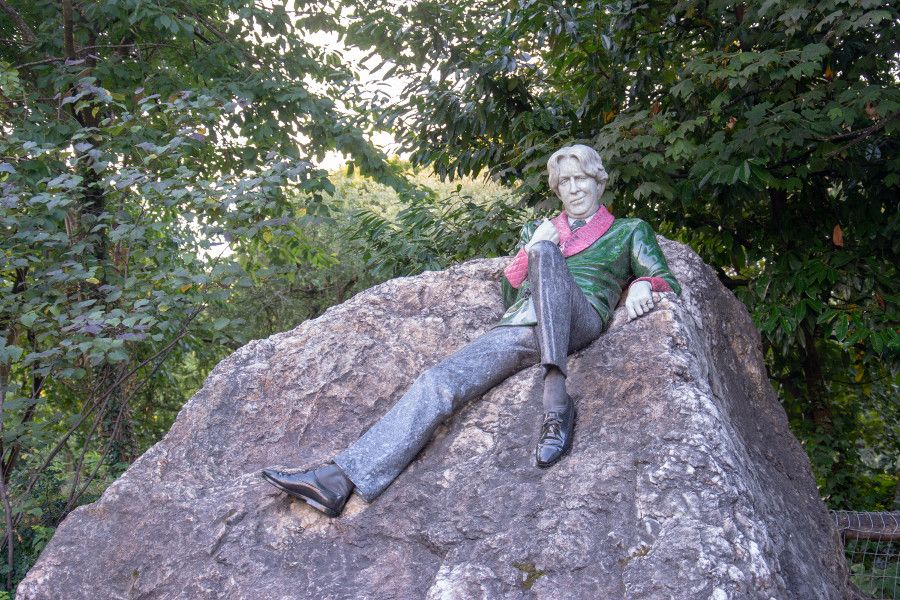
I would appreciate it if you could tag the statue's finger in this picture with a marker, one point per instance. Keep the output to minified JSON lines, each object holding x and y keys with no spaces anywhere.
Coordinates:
{"x":630,"y":309}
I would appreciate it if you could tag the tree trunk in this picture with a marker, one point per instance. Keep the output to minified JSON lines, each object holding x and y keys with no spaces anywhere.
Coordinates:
{"x":819,"y":409}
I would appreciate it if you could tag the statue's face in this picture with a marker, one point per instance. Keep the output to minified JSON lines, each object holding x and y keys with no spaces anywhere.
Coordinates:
{"x":580,"y":193}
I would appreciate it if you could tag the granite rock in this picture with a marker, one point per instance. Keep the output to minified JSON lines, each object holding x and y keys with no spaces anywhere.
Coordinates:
{"x":684,"y":481}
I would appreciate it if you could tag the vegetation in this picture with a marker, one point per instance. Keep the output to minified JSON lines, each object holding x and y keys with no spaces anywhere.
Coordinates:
{"x":144,"y":163}
{"x":157,"y":185}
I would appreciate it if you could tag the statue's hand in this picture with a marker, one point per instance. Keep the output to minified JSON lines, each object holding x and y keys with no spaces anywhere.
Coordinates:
{"x":639,"y":300}
{"x":545,"y":231}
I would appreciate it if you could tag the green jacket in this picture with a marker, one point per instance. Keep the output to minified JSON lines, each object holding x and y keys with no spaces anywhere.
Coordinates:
{"x":604,"y":257}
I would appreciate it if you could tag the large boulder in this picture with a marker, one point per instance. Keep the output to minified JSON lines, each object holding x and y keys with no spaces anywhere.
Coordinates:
{"x":684,"y":480}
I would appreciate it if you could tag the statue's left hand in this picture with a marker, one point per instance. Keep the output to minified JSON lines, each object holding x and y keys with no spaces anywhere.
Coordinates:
{"x":639,"y":300}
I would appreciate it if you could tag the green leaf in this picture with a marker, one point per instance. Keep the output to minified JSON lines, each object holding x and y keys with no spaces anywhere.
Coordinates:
{"x":10,"y":354}
{"x":117,"y":355}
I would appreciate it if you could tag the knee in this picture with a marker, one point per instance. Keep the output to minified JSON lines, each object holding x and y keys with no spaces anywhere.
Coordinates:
{"x":542,"y":249}
{"x":437,"y":388}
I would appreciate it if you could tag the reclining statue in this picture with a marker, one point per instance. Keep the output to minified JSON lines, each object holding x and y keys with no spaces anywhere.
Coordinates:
{"x":561,"y":289}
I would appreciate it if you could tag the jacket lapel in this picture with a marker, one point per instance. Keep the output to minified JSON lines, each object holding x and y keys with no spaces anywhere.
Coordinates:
{"x":573,"y":243}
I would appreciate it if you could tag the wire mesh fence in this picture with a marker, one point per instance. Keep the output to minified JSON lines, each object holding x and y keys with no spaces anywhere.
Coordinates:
{"x":872,"y":547}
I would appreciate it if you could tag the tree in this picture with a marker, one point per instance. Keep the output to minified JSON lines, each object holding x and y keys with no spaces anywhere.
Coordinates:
{"x":762,"y":134}
{"x":144,"y":146}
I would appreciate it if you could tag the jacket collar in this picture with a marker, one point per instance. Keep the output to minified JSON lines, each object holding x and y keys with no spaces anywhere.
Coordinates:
{"x":573,"y":243}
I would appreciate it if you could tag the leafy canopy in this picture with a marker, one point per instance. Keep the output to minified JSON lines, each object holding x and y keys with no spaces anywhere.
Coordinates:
{"x":147,"y":149}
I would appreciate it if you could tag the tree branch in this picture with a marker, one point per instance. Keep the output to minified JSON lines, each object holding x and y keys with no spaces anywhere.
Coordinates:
{"x":27,"y":32}
{"x":111,"y":388}
{"x":12,"y":334}
{"x":225,"y":39}
{"x":10,"y":557}
{"x":859,"y":135}
{"x":68,"y":33}
{"x":94,"y":402}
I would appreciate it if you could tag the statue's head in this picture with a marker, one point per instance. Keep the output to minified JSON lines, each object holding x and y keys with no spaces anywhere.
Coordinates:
{"x":577,"y":176}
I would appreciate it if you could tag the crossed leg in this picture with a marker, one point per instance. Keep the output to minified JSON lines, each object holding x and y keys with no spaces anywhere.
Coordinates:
{"x":375,"y":459}
{"x":566,"y":323}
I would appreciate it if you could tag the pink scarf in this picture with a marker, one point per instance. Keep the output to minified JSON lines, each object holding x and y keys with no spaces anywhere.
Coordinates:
{"x":569,"y":243}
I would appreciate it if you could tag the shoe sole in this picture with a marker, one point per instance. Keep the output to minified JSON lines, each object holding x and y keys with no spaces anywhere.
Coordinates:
{"x":316,"y":505}
{"x":566,"y":448}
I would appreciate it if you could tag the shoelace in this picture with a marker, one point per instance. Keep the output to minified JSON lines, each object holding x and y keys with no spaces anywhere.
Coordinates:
{"x":552,"y":426}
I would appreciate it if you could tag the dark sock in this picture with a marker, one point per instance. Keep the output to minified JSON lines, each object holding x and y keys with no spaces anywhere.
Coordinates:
{"x":555,"y":396}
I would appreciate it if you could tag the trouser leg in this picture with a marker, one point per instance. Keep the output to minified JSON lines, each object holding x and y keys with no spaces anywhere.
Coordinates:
{"x":566,"y":323}
{"x":375,"y":460}
{"x":566,"y":320}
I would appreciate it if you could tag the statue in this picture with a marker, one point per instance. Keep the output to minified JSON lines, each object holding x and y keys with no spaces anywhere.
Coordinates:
{"x":561,"y":289}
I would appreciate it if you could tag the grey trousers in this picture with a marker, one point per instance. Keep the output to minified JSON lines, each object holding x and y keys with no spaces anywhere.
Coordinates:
{"x":566,"y":323}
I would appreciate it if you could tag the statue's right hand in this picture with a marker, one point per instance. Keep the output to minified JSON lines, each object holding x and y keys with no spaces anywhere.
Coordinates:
{"x":545,"y":231}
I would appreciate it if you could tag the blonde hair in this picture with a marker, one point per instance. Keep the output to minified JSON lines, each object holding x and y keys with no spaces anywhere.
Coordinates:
{"x":586,"y":156}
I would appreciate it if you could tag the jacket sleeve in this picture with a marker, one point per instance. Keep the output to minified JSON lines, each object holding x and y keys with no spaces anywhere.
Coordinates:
{"x":517,"y":270}
{"x":648,"y":262}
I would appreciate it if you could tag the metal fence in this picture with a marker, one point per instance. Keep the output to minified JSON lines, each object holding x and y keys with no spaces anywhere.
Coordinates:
{"x":872,"y":547}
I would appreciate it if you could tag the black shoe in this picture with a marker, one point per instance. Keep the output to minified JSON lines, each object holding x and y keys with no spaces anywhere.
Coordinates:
{"x":326,"y":489}
{"x":557,"y":432}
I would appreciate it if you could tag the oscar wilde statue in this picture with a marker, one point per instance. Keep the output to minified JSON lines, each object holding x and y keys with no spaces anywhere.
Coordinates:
{"x":561,"y":289}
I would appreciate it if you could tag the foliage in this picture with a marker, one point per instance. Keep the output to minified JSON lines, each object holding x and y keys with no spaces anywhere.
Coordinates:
{"x":762,"y":134}
{"x":873,"y":567}
{"x":147,"y":151}
{"x":445,"y":225}
{"x":299,"y":271}
{"x":366,"y":233}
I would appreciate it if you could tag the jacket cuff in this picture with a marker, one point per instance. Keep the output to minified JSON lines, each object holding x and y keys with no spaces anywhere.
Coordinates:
{"x":657,"y":284}
{"x":517,"y":270}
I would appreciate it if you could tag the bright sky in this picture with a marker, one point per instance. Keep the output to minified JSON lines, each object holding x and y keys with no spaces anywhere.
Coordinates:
{"x":370,"y":80}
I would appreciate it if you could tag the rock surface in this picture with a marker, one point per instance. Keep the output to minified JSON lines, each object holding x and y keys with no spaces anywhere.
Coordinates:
{"x":684,"y":481}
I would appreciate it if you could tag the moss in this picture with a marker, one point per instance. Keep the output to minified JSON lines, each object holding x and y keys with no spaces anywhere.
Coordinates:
{"x":532,"y":574}
{"x":642,"y":551}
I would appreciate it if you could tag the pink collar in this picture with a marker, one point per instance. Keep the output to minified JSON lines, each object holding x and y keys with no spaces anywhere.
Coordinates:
{"x":573,"y":243}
